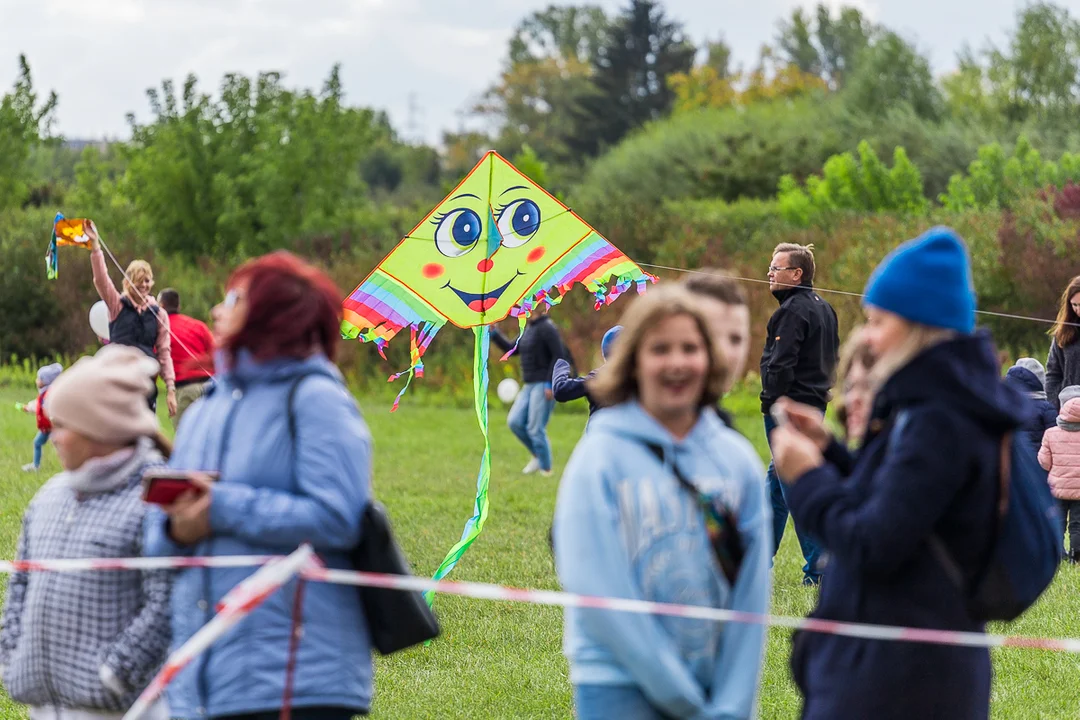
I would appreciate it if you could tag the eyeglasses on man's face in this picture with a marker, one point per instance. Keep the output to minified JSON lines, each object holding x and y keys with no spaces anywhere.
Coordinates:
{"x":774,"y":269}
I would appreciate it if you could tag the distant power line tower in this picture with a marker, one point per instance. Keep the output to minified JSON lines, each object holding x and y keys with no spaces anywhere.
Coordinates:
{"x":414,"y":126}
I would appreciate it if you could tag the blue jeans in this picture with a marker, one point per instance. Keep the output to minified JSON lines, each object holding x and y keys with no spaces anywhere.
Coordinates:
{"x":624,"y":702}
{"x":39,"y":442}
{"x":528,"y":420}
{"x":810,"y":549}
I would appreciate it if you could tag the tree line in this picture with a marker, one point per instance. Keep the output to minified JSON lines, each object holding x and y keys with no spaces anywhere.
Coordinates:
{"x":646,"y":135}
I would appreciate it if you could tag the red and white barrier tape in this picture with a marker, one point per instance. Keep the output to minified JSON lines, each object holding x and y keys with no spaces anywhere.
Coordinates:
{"x":239,"y":601}
{"x":486,"y":591}
{"x":142,"y":563}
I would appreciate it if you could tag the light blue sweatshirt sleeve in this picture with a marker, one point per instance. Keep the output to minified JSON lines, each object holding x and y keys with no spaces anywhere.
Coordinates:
{"x":738,"y":669}
{"x":591,"y":560}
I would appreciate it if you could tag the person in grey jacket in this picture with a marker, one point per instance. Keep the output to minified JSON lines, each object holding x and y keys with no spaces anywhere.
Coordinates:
{"x":85,"y":644}
{"x":1063,"y":361}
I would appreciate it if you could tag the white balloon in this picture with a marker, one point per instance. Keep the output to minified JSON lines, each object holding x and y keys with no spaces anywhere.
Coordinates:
{"x":99,"y":319}
{"x":508,"y":390}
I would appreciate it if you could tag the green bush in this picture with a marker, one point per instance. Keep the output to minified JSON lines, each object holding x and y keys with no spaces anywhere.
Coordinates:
{"x":864,"y":185}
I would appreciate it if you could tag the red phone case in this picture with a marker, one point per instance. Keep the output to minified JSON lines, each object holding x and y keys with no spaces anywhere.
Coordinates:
{"x":165,"y":491}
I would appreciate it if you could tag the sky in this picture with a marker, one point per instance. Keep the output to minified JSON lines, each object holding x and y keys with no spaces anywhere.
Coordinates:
{"x":423,"y":61}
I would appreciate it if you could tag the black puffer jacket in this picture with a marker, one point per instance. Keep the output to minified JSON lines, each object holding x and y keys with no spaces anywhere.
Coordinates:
{"x":539,"y":347}
{"x":801,"y":350}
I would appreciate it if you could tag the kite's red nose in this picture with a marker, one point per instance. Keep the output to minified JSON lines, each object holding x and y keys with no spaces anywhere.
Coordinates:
{"x":485,"y":265}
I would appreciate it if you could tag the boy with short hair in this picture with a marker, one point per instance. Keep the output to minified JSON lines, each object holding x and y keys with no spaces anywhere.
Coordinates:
{"x":724,"y":305}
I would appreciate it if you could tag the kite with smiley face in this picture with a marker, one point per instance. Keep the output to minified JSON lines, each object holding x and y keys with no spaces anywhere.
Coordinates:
{"x":497,"y":246}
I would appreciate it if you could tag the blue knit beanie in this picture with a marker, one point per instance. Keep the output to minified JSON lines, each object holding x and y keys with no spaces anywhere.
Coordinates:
{"x":927,"y":281}
{"x":609,"y":340}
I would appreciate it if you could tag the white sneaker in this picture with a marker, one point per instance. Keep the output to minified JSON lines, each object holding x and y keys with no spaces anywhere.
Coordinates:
{"x":30,"y":467}
{"x":545,"y":473}
{"x":532,"y":467}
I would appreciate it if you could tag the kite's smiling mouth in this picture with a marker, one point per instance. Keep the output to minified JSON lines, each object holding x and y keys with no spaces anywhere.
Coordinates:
{"x":485,"y":301}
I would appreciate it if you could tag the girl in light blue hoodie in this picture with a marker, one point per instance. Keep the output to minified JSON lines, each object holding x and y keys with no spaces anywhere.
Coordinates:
{"x":662,"y":502}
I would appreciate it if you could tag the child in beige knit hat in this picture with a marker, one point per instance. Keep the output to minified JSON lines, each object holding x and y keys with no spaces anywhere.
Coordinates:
{"x":107,"y":632}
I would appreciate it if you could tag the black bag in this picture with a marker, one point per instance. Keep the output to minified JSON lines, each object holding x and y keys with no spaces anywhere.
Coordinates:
{"x":396,"y":619}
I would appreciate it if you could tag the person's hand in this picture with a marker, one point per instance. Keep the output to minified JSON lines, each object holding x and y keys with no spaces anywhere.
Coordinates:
{"x":548,"y":393}
{"x":189,"y":516}
{"x":91,"y":232}
{"x":794,"y":454}
{"x":170,"y":402}
{"x":807,"y":420}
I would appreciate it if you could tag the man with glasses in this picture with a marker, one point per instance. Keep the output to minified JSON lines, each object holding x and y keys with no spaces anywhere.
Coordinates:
{"x":799,"y":362}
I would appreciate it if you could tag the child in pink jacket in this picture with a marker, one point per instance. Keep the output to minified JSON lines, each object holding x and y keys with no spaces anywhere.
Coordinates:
{"x":1060,"y":456}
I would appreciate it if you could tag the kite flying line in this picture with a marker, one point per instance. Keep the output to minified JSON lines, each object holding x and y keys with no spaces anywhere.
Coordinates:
{"x":847,"y":293}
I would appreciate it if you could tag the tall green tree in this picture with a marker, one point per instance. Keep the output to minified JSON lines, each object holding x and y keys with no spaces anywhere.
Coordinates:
{"x":824,"y":44}
{"x":253,"y":170}
{"x":571,"y":32}
{"x":842,"y":40}
{"x":548,"y":71}
{"x":795,"y":43}
{"x":24,"y":123}
{"x":891,"y":73}
{"x":630,"y":77}
{"x":1038,"y":74}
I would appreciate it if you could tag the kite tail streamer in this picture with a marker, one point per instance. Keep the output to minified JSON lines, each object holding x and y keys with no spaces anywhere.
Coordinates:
{"x":480,"y":510}
{"x":416,"y":368}
{"x":52,"y":258}
{"x":521,"y":316}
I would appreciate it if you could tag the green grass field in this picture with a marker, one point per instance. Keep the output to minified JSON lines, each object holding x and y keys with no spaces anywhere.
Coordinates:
{"x":500,"y":660}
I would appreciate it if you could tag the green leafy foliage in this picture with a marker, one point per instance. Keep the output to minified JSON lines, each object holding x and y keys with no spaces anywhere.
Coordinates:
{"x":250,"y":171}
{"x":24,"y":124}
{"x":997,"y":179}
{"x":864,"y":184}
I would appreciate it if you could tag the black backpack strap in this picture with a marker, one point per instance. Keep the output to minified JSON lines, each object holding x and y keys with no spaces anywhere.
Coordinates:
{"x":290,"y":399}
{"x":662,"y":457}
{"x":721,"y":523}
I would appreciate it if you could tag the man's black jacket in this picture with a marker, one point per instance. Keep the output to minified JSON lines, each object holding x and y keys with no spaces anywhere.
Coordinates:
{"x":801,"y":349}
{"x":539,"y":347}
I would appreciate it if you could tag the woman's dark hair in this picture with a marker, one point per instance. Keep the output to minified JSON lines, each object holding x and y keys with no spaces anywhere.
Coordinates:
{"x":1065,"y":329}
{"x":293,"y":309}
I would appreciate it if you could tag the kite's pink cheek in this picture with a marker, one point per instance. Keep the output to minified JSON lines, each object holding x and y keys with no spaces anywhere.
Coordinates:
{"x":433,"y":270}
{"x":536,"y":254}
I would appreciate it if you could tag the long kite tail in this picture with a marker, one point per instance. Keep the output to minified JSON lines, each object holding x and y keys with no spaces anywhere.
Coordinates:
{"x":475,"y":524}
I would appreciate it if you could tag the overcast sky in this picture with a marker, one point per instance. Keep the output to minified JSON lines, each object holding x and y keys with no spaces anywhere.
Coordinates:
{"x":434,"y":55}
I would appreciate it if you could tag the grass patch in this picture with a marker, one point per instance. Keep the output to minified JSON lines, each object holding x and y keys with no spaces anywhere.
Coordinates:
{"x":500,"y":660}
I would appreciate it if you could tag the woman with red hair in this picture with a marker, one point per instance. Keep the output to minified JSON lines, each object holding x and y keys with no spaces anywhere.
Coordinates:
{"x":293,"y":462}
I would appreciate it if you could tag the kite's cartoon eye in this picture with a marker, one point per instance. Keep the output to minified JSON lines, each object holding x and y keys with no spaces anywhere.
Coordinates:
{"x":518,"y":222}
{"x":457,"y":232}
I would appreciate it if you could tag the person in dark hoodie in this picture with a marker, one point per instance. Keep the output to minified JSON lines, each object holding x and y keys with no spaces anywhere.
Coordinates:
{"x":929,"y":468}
{"x":567,"y":388}
{"x":538,"y":347}
{"x":1028,"y":377}
{"x":799,"y":362}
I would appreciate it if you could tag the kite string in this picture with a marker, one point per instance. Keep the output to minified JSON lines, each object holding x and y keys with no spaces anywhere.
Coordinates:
{"x":839,"y":292}
{"x":144,"y":300}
